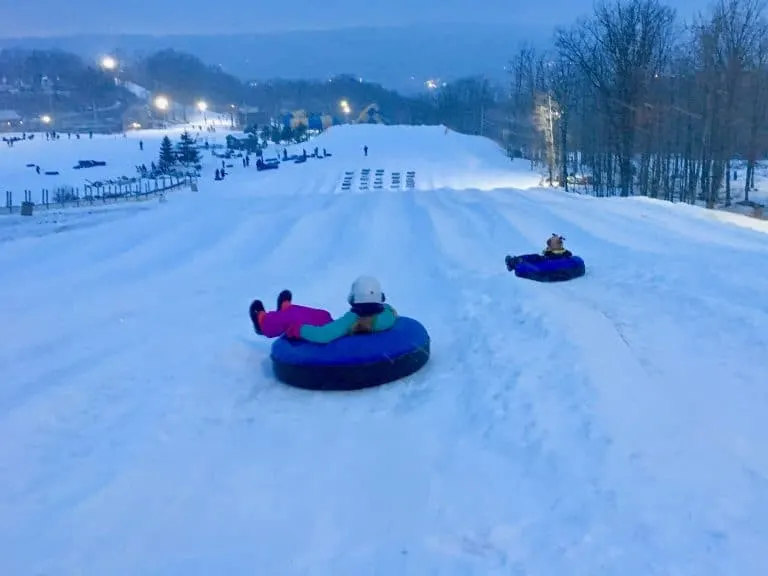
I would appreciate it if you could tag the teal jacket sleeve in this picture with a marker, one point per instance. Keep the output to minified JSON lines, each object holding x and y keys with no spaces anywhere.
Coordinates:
{"x":330,"y":332}
{"x":386,"y":319}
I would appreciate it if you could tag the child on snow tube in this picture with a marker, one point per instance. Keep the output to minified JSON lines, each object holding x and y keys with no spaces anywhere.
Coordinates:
{"x":368,"y":314}
{"x":555,"y":249}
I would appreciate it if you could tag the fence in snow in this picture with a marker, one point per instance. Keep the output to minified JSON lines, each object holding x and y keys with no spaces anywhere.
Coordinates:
{"x":70,"y":196}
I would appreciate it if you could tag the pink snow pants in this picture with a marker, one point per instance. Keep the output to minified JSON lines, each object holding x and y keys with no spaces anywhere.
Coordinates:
{"x":275,"y":324}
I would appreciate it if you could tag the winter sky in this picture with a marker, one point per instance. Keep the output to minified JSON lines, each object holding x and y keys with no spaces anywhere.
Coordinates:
{"x":59,"y":17}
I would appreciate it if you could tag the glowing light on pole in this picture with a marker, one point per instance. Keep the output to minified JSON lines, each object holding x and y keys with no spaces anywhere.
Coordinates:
{"x":108,"y":63}
{"x":202,"y":106}
{"x":344,"y":105}
{"x":111,"y":65}
{"x":162,"y":104}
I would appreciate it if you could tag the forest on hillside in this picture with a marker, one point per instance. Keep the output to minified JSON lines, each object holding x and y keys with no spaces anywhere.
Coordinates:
{"x":35,"y":82}
{"x":40,"y":81}
{"x":186,"y":79}
{"x":643,"y":103}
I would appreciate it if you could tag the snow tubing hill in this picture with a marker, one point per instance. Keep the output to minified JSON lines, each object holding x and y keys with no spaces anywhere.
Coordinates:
{"x":536,"y":267}
{"x":353,"y":362}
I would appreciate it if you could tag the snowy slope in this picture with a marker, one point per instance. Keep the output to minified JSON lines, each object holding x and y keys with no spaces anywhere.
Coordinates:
{"x":611,"y":425}
{"x":138,"y":91}
{"x":442,"y":158}
{"x":178,"y":110}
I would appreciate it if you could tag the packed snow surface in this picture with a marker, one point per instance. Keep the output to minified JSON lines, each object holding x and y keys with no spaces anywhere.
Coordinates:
{"x":611,"y":425}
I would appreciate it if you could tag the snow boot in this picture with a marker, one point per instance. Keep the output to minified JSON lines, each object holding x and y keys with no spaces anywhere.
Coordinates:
{"x":284,"y":300}
{"x":256,"y":312}
{"x":511,"y":262}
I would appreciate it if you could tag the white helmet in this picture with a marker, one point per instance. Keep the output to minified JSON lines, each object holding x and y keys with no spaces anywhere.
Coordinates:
{"x":365,"y":290}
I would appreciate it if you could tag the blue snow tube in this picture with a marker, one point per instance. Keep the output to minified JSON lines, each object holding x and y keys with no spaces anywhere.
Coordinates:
{"x":353,"y":362}
{"x":537,"y":267}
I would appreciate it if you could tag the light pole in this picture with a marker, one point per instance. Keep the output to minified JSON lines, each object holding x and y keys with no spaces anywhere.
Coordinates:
{"x":162,"y":104}
{"x":109,"y":63}
{"x":202,"y":106}
{"x":344,"y":105}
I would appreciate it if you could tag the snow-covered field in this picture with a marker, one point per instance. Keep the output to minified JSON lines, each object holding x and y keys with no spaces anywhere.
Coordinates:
{"x":613,"y":425}
{"x":121,"y":153}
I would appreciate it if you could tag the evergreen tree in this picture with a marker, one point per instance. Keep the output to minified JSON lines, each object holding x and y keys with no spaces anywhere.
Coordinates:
{"x":300,"y":133}
{"x":167,"y":156}
{"x":252,"y":143}
{"x":187,"y":150}
{"x":275,"y":134}
{"x":252,"y":129}
{"x":286,"y":134}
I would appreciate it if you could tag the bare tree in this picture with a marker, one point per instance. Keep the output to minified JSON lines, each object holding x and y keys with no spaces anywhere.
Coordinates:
{"x":462,"y":104}
{"x":620,"y":50}
{"x":756,"y":92}
{"x":729,"y":44}
{"x":521,"y":118}
{"x":634,"y":102}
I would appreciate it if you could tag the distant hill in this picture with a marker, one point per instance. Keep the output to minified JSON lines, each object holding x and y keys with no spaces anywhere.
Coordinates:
{"x":399,"y":58}
{"x":76,"y":92}
{"x":186,"y":79}
{"x":44,"y":81}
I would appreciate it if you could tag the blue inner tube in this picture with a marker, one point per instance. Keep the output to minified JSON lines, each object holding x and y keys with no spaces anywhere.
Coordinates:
{"x":542,"y":269}
{"x":353,"y":362}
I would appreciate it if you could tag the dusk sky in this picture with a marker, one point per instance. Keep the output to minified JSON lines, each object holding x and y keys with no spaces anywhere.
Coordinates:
{"x":59,"y":17}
